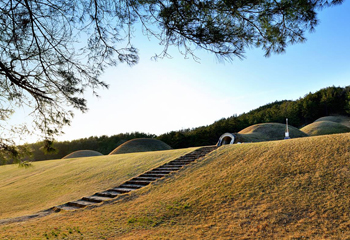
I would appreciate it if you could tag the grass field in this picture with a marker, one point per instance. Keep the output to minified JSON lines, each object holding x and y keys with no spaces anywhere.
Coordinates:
{"x":291,"y":189}
{"x":50,"y":183}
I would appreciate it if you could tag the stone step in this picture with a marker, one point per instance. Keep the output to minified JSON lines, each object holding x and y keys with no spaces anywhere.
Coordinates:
{"x":65,"y":207}
{"x":156,"y":171}
{"x":157,"y":175}
{"x":167,"y":165}
{"x":123,"y":190}
{"x":96,"y":199}
{"x":162,"y":174}
{"x":166,"y":169}
{"x":178,"y":163}
{"x":139,"y":182}
{"x":80,"y":203}
{"x":108,"y":193}
{"x":135,"y":186}
{"x":187,"y":158}
{"x":151,"y":179}
{"x":170,"y":166}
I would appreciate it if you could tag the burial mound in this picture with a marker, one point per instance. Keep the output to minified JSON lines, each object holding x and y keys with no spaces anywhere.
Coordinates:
{"x":141,"y":145}
{"x":83,"y":153}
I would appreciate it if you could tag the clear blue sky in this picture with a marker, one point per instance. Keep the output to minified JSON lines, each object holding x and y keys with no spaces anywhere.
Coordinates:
{"x":172,"y":94}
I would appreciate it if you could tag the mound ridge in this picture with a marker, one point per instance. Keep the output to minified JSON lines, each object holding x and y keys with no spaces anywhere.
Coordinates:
{"x":337,"y":119}
{"x":324,"y":127}
{"x":141,"y":145}
{"x":267,"y":132}
{"x":83,"y":153}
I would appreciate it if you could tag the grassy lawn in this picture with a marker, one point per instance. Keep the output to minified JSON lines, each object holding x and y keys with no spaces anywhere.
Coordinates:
{"x":291,"y":189}
{"x":50,"y":183}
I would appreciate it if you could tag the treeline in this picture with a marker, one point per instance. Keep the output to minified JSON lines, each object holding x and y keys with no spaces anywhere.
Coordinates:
{"x":328,"y":101}
{"x":103,"y":144}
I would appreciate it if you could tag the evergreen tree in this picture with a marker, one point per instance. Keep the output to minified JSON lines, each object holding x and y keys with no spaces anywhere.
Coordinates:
{"x":41,"y":68}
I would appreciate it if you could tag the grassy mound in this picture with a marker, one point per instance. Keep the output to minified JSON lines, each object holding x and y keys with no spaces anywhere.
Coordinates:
{"x":337,"y":119}
{"x":296,"y":189}
{"x":141,"y":145}
{"x":50,"y":183}
{"x":83,"y":153}
{"x":324,"y":127}
{"x":267,"y":132}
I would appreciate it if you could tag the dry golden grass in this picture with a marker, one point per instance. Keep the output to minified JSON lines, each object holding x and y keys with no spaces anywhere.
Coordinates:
{"x":54,"y":182}
{"x":291,"y":189}
{"x":83,"y":153}
{"x":141,"y":145}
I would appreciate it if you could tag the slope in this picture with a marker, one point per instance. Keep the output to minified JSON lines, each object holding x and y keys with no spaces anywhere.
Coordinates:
{"x":295,"y":189}
{"x":50,"y":183}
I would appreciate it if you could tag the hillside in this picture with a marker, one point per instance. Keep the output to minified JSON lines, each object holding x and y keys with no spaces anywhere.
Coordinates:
{"x":54,"y":182}
{"x":295,"y":189}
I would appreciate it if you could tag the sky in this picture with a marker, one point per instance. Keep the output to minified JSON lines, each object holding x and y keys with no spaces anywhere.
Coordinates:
{"x":172,"y":94}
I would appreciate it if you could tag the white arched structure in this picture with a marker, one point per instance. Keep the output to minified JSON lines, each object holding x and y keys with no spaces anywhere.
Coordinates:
{"x":226,"y":138}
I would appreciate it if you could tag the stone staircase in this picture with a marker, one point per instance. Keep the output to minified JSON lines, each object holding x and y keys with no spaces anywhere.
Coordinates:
{"x":137,"y":182}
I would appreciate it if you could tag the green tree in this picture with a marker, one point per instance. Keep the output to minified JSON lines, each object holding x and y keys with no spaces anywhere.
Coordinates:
{"x":42,"y":68}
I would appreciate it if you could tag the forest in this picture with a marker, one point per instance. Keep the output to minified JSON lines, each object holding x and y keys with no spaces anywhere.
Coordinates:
{"x":305,"y":110}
